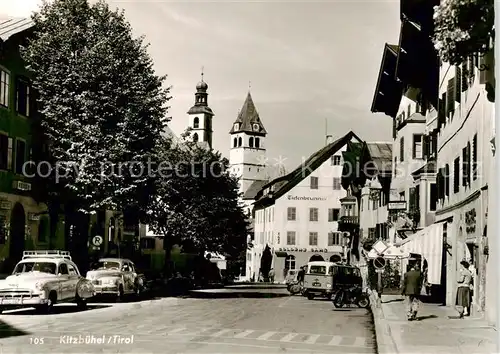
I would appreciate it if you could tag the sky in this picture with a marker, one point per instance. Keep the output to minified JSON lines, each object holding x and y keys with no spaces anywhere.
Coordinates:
{"x":311,"y":66}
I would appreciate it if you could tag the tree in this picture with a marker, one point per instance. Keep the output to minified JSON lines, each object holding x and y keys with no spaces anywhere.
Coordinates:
{"x":463,"y":28}
{"x":196,"y":203}
{"x":102,"y":109}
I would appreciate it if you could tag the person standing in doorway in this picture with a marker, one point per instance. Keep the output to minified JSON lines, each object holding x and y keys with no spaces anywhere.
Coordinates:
{"x":412,"y":286}
{"x":463,"y":302}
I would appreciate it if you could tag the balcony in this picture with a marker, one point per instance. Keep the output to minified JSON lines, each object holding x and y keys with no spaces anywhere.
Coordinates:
{"x":353,"y":220}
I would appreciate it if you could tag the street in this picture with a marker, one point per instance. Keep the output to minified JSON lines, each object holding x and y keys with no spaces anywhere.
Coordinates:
{"x":175,"y":325}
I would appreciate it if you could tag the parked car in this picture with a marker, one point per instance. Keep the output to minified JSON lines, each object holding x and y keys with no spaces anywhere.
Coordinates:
{"x":115,"y":277}
{"x":42,"y":279}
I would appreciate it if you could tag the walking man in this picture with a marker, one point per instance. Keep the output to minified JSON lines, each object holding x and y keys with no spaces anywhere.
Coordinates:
{"x":412,"y":285}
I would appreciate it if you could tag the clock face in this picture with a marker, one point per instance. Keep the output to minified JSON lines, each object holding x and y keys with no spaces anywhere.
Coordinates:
{"x":256,"y":127}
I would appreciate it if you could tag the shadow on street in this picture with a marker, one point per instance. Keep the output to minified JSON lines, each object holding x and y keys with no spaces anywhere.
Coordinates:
{"x":57,"y":310}
{"x":7,"y":330}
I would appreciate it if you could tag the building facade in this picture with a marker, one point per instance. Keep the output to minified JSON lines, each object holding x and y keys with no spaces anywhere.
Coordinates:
{"x":297,"y":215}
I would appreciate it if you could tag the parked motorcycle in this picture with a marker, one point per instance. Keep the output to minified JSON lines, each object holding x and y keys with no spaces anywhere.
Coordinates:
{"x":351,"y":295}
{"x":295,"y":288}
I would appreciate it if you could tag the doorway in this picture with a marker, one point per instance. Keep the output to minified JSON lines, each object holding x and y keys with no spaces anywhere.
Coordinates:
{"x":17,"y":233}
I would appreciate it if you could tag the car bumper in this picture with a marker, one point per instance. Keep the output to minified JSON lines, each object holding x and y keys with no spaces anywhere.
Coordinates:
{"x":319,"y":291}
{"x":16,"y":302}
{"x":106,"y":290}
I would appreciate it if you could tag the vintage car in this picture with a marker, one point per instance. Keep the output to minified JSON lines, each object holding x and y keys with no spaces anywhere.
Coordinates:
{"x":42,"y":279}
{"x":115,"y":277}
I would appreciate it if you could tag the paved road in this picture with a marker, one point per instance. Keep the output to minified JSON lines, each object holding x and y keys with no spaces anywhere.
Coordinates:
{"x":194,"y":326}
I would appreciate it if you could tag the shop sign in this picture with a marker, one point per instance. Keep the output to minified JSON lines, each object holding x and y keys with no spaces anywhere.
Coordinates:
{"x":470,"y":221}
{"x":5,"y":204}
{"x":296,"y":249}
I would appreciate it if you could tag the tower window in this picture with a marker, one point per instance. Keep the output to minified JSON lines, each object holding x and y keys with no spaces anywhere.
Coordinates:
{"x":240,"y":141}
{"x":195,"y":137}
{"x":196,"y":122}
{"x":250,"y":142}
{"x":257,"y":143}
{"x":256,"y":127}
{"x":235,"y":142}
{"x":236,"y":126}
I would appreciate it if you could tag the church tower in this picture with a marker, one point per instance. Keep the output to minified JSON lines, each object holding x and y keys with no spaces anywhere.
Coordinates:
{"x":247,"y":156}
{"x":200,"y":116}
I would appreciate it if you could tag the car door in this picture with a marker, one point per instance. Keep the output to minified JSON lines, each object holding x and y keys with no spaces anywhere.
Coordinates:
{"x":63,"y":280}
{"x":73,"y":280}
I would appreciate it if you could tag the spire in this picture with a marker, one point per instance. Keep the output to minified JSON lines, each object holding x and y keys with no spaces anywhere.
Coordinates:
{"x":249,"y":86}
{"x":248,"y":119}
{"x":202,"y":74}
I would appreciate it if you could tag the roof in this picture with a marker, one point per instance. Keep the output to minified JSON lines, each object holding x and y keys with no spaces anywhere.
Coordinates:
{"x":381,"y":154}
{"x":283,"y":184}
{"x":113,"y":260}
{"x":429,"y":167}
{"x":254,"y":188}
{"x":247,"y":118}
{"x":10,"y":26}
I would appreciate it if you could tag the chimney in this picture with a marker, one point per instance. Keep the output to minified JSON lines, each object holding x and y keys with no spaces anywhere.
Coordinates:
{"x":329,"y":139}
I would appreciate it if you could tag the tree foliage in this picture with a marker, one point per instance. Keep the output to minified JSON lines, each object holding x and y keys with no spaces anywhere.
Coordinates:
{"x":196,"y":203}
{"x":463,"y":28}
{"x":102,"y":106}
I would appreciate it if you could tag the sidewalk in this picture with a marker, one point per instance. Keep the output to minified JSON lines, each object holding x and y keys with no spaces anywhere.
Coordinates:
{"x":436,"y":330}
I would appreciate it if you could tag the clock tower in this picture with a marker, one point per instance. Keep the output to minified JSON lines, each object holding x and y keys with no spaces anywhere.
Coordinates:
{"x":200,"y":116}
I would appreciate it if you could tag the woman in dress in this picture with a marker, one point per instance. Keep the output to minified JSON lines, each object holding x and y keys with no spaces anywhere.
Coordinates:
{"x":463,"y":290}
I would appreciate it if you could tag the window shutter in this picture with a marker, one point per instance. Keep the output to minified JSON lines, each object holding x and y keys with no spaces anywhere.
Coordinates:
{"x":439,"y":183}
{"x":442,"y":110}
{"x":447,"y":180}
{"x":471,"y":69}
{"x":450,"y":93}
{"x":402,"y":149}
{"x":465,"y":77}
{"x":425,"y":146}
{"x":474,"y":157}
{"x":434,"y":143}
{"x":458,"y":82}
{"x":464,"y":166}
{"x":468,"y":163}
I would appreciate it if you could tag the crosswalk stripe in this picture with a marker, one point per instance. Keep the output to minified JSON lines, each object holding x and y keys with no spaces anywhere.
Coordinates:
{"x":220,"y":333}
{"x":288,"y":337}
{"x":244,"y":334}
{"x":360,"y":342}
{"x":335,"y":340}
{"x":312,"y":339}
{"x":266,"y":336}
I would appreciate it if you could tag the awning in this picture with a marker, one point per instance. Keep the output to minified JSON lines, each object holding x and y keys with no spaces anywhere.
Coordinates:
{"x":428,"y":242}
{"x":392,"y":252}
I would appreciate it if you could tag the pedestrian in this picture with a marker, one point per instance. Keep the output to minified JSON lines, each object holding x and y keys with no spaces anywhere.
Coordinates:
{"x":412,"y":286}
{"x":464,"y":289}
{"x":271,"y":275}
{"x":300,"y":275}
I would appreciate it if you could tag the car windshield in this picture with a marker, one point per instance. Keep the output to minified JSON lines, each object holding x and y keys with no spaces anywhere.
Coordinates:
{"x":43,"y":267}
{"x":106,"y":265}
{"x":317,"y":270}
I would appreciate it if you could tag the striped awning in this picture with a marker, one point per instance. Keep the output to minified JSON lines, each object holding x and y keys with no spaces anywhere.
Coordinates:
{"x":428,"y":243}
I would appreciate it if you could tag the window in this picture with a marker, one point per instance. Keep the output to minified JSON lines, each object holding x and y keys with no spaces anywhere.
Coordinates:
{"x":196,"y":122}
{"x":417,"y":146}
{"x":240,"y":141}
{"x":250,"y":142}
{"x":195,"y":137}
{"x":314,"y":182}
{"x":336,"y":184}
{"x":456,"y":175}
{"x":433,"y":197}
{"x":257,"y":143}
{"x":290,"y":262}
{"x":409,"y":110}
{"x":313,"y":214}
{"x":333,"y":239}
{"x":20,"y":156}
{"x":447,"y":180}
{"x":402,"y":149}
{"x":4,"y":88}
{"x":465,"y":166}
{"x":291,"y":214}
{"x":5,"y":152}
{"x":256,"y":127}
{"x":63,"y":269}
{"x":236,"y":126}
{"x":313,"y":238}
{"x":290,"y":238}
{"x":450,"y":98}
{"x":72,"y":270}
{"x":371,"y":232}
{"x":336,"y":160}
{"x":235,"y":142}
{"x":402,"y":196}
{"x":333,"y":214}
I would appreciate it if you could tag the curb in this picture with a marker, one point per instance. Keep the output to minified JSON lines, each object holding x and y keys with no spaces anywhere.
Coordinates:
{"x":233,"y":294}
{"x":385,"y":341}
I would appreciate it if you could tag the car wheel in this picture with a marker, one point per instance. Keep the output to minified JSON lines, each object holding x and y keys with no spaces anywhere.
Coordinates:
{"x":81,"y":304}
{"x":310,"y":296}
{"x":48,"y":308}
{"x":364,"y":301}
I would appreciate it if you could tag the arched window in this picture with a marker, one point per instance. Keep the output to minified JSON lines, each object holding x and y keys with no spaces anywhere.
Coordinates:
{"x":257,"y":143}
{"x":290,"y":262}
{"x":240,"y":141}
{"x":235,"y":142}
{"x":316,"y":258}
{"x":335,"y":258}
{"x":195,"y":137}
{"x":250,"y":142}
{"x":196,"y":122}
